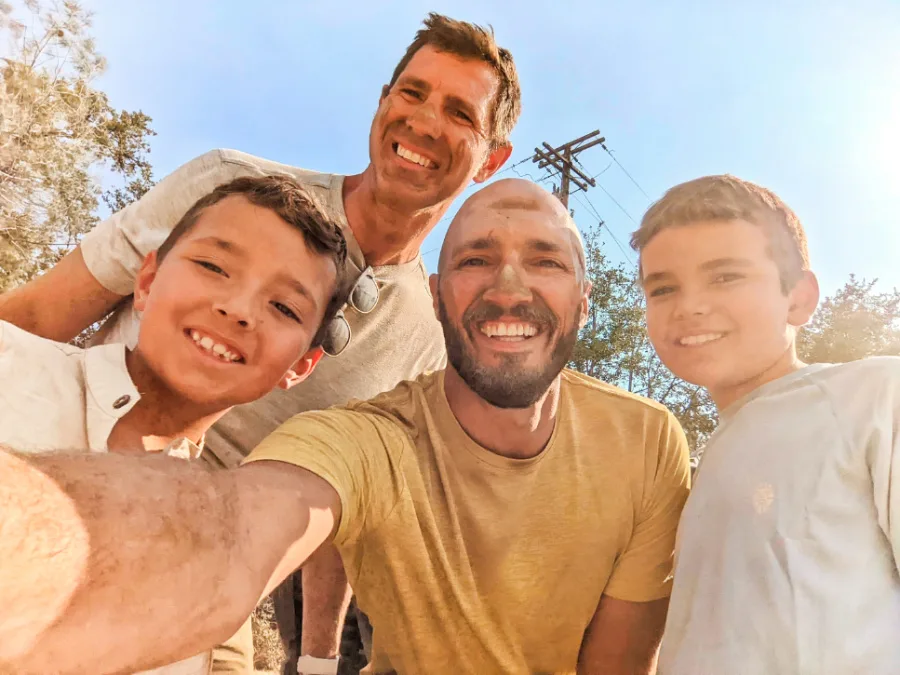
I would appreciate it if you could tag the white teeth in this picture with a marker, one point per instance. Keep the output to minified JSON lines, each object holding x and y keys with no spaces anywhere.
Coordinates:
{"x":413,"y":157}
{"x":214,"y":347}
{"x":694,"y":340}
{"x":509,"y":329}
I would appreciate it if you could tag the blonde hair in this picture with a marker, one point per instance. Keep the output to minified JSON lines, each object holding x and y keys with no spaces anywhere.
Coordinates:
{"x":730,"y":198}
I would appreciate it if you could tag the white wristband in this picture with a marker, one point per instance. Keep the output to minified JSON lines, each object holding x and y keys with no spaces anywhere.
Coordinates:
{"x":312,"y":665}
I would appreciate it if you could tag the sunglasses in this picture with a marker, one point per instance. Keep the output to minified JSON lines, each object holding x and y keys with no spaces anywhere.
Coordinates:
{"x":363,"y":297}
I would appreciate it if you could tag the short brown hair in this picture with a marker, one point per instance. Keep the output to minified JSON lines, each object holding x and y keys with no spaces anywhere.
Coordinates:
{"x":289,"y":201}
{"x":469,"y":41}
{"x":729,"y":198}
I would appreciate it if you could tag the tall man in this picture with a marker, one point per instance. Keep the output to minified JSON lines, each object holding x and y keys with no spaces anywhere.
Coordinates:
{"x":503,"y":515}
{"x":442,"y":122}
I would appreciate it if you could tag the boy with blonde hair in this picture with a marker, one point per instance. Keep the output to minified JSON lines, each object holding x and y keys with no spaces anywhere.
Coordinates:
{"x":789,"y":544}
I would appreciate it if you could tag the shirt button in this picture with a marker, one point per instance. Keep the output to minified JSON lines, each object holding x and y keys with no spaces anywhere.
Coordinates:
{"x":121,"y":402}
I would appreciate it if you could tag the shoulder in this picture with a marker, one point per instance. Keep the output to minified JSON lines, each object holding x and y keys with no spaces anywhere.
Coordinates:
{"x":236,"y":158}
{"x":869,"y":377}
{"x":20,"y":344}
{"x":201,"y":174}
{"x":588,"y":391}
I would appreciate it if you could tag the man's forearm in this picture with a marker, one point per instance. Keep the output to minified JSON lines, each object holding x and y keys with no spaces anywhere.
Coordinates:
{"x":111,"y":563}
{"x":60,"y":303}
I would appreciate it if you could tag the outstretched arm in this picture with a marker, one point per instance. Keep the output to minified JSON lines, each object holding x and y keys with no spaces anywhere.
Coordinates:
{"x":114,"y":564}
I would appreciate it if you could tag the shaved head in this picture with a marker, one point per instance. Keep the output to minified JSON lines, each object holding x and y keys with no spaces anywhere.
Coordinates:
{"x":506,"y":198}
{"x":511,"y":292}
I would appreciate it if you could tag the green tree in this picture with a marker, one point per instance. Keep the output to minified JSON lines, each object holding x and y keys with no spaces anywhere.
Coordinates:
{"x":856,"y":322}
{"x":57,"y":133}
{"x":613,"y":346}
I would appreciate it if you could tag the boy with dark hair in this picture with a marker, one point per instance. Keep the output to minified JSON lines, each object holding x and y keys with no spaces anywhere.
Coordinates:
{"x":788,"y":546}
{"x":232,"y":305}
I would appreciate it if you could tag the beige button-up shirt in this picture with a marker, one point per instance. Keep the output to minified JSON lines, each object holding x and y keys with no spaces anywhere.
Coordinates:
{"x":60,"y":397}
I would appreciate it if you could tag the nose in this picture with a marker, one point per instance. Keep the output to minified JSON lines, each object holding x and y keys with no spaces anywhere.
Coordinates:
{"x":509,"y":288}
{"x":239,"y":309}
{"x":424,"y":120}
{"x":691,"y":303}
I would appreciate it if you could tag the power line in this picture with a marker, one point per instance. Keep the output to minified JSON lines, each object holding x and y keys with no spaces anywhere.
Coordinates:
{"x":603,"y":222}
{"x":625,"y":171}
{"x":616,"y":202}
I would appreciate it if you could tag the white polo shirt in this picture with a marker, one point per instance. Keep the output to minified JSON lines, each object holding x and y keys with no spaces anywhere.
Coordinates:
{"x":788,"y":547}
{"x":58,"y":397}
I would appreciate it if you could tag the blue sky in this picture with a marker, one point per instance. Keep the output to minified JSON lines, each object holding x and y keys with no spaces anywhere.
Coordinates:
{"x":802,"y":96}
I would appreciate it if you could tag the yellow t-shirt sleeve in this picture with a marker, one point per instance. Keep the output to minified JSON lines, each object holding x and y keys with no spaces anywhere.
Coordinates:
{"x":357,"y":453}
{"x":644,"y":570}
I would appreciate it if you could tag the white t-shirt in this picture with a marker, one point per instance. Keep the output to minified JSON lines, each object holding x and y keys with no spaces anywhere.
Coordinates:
{"x":788,"y":547}
{"x":59,"y":397}
{"x":396,"y":341}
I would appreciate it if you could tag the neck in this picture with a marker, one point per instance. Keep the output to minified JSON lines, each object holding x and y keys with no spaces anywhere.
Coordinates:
{"x":160,"y":416}
{"x":786,"y":364}
{"x":387,"y":233}
{"x":518,"y":433}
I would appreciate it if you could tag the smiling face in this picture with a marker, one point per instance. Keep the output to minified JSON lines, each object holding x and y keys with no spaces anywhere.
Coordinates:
{"x":430,"y":136}
{"x":233,"y":306}
{"x":510,"y":293}
{"x":717,"y":313}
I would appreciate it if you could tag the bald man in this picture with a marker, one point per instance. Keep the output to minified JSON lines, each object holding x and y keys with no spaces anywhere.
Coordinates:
{"x":504,"y":515}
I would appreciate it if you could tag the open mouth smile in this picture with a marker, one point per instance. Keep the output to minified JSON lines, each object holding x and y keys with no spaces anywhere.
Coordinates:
{"x":413,"y":157}
{"x":698,"y":340}
{"x":509,"y":331}
{"x":211,"y":346}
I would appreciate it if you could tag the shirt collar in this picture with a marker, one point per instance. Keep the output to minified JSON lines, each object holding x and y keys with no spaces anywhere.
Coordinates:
{"x":110,"y":394}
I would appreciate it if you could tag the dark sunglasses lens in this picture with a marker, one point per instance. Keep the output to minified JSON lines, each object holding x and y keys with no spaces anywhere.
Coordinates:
{"x":364,"y":296}
{"x":337,"y":336}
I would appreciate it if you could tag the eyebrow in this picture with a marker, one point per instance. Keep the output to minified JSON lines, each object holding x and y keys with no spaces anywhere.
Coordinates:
{"x":238,"y":251}
{"x":487,"y":243}
{"x":299,"y":288}
{"x":480,"y":244}
{"x":709,"y":265}
{"x":223,"y":244}
{"x":726,"y":262}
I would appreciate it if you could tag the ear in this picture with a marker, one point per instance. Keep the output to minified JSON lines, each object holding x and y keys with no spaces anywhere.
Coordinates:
{"x":302,"y":369}
{"x":385,"y":90}
{"x":144,"y":280}
{"x":435,"y":289}
{"x":585,"y":304}
{"x":494,"y":161}
{"x":804,"y":299}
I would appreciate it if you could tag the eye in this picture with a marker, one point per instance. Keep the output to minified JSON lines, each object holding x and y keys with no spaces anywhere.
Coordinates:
{"x":473,"y":262}
{"x":549,"y":262}
{"x":287,"y":311}
{"x":660,"y":291}
{"x":463,"y":116}
{"x":211,"y":267}
{"x":727,"y":277}
{"x":412,"y":93}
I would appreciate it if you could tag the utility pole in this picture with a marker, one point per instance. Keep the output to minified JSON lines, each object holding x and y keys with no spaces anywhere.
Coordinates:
{"x":561,"y":159}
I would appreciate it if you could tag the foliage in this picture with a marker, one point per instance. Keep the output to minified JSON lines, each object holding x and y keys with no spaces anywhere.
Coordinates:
{"x":57,"y":133}
{"x":854,"y":323}
{"x":613,"y":346}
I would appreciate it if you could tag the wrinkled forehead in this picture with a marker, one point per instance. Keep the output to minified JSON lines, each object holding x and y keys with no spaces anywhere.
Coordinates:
{"x":512,"y":222}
